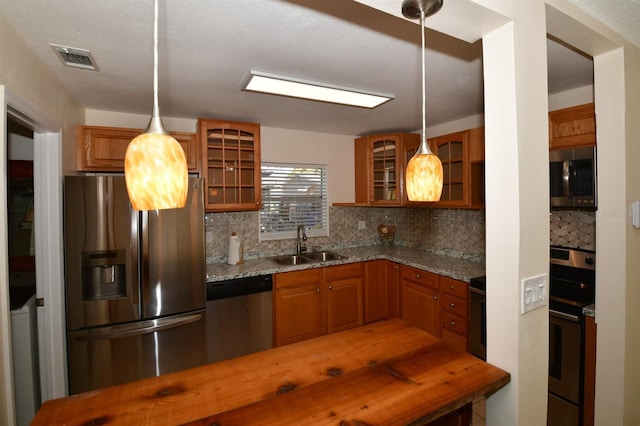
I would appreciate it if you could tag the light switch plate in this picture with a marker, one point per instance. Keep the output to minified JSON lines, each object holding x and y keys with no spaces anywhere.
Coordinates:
{"x":533,"y":293}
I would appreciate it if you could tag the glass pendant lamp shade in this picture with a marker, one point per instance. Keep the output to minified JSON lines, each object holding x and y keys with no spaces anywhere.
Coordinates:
{"x":423,"y":178}
{"x":155,"y":167}
{"x":155,"y":170}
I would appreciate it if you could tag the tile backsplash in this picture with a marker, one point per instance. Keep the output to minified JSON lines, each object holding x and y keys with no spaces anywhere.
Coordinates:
{"x":457,"y":232}
{"x":573,"y":228}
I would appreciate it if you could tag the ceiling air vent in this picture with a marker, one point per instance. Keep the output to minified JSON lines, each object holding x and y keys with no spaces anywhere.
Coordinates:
{"x":74,"y":57}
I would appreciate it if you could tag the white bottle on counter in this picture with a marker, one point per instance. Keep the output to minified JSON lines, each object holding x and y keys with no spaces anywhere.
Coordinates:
{"x":235,"y":255}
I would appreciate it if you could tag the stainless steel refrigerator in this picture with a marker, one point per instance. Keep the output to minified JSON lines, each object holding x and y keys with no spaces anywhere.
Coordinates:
{"x":135,"y":284}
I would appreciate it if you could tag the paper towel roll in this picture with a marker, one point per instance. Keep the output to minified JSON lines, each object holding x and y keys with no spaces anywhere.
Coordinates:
{"x":235,"y":255}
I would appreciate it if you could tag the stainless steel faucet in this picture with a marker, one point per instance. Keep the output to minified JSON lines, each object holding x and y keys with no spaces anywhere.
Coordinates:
{"x":300,"y":247}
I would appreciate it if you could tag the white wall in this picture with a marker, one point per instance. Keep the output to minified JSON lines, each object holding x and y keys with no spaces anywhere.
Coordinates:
{"x":516,"y":152}
{"x":579,"y":96}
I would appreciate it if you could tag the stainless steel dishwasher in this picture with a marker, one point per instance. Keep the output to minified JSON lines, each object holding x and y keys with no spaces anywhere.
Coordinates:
{"x":239,"y":317}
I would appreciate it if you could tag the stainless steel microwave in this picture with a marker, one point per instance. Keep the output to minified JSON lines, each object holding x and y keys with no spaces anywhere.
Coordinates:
{"x":572,"y":177}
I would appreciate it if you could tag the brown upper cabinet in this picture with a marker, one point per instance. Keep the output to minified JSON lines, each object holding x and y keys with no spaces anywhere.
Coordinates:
{"x":573,"y":127}
{"x":379,"y":168}
{"x":462,"y":156}
{"x":381,"y":161}
{"x":230,"y":164}
{"x":102,"y":149}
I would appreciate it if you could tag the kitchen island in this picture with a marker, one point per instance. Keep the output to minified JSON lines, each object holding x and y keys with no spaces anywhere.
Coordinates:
{"x":384,"y":373}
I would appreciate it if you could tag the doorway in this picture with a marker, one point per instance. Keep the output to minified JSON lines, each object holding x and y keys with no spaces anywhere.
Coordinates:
{"x":22,"y":274}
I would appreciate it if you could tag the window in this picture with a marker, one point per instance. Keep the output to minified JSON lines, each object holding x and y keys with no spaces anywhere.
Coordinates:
{"x":292,"y":195}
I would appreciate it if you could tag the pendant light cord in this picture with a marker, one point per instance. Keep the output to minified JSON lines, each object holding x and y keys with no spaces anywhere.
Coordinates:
{"x":423,"y":145}
{"x":156,"y":112}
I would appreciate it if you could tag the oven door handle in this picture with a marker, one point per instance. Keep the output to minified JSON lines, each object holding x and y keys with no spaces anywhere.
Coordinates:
{"x":564,"y":315}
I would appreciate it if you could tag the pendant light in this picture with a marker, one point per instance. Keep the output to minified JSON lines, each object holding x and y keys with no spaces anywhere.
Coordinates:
{"x":155,"y":167}
{"x":423,"y":179}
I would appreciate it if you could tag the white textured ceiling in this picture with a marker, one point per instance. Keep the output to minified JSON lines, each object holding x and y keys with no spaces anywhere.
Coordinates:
{"x":208,"y":46}
{"x":622,"y":16}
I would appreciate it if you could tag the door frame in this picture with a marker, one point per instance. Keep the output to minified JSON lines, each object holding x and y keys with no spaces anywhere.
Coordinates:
{"x":49,"y":254}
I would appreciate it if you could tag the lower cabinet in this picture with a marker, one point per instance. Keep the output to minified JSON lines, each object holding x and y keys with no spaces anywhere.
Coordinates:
{"x":317,"y":301}
{"x":437,"y":304}
{"x":313,"y":302}
{"x":420,"y":299}
{"x":298,"y":306}
{"x":455,"y":316}
{"x":381,"y":290}
{"x":589,"y":370}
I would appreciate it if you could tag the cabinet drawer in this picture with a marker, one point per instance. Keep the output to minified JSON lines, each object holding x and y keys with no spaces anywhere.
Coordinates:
{"x":420,"y":277}
{"x":340,"y":272}
{"x":454,"y":287}
{"x":299,"y":278}
{"x":454,"y":323}
{"x":455,"y":305}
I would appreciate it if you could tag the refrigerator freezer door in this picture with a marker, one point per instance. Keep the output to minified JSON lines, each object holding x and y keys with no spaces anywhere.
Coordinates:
{"x":106,"y":356}
{"x":101,"y":246}
{"x":173,"y":258}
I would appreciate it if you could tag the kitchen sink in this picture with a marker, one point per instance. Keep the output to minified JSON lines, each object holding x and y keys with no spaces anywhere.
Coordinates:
{"x":311,"y":257}
{"x":323,"y":256}
{"x":290,"y":259}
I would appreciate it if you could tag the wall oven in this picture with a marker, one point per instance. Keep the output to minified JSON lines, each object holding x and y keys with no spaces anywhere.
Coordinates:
{"x":572,"y":177}
{"x":572,"y":287}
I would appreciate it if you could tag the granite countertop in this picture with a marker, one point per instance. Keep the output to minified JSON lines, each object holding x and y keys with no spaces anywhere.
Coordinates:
{"x":589,"y":310}
{"x":442,"y":264}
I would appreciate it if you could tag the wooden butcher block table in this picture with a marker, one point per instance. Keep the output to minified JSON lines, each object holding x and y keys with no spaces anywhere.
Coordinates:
{"x":386,"y":373}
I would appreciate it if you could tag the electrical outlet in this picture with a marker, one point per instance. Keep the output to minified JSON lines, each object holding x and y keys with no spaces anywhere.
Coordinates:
{"x":533,"y":293}
{"x":362,"y":224}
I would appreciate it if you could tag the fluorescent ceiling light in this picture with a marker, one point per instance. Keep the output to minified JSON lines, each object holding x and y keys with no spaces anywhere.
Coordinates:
{"x":288,"y":86}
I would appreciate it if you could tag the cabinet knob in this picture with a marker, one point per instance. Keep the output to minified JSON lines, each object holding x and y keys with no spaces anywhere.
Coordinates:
{"x":435,"y":297}
{"x":318,"y":290}
{"x":453,"y":323}
{"x":451,"y":287}
{"x":453,"y":305}
{"x":417,"y":275}
{"x":330,"y":287}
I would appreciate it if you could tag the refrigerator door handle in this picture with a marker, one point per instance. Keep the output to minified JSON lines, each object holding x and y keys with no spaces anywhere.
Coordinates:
{"x":138,"y":328}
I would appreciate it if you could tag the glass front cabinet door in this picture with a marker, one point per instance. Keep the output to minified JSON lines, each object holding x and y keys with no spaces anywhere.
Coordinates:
{"x":379,"y":168}
{"x":231,"y":164}
{"x":462,"y":156}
